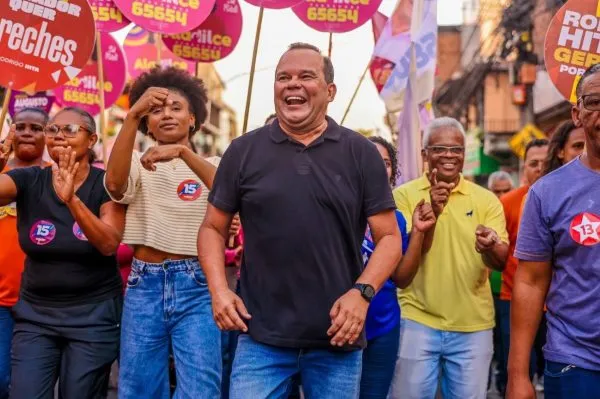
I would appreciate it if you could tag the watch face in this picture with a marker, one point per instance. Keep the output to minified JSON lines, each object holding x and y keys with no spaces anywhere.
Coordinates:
{"x":369,"y":291}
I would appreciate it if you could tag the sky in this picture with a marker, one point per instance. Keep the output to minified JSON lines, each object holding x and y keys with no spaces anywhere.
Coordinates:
{"x":350,"y":54}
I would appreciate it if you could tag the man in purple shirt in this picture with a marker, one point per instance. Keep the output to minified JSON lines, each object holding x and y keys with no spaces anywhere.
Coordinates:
{"x":559,"y":252}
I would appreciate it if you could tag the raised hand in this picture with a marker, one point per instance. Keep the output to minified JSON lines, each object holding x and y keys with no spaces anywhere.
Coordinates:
{"x":162,"y":153}
{"x":439,"y":192}
{"x":486,"y":238}
{"x":6,"y":147}
{"x":63,"y":175}
{"x":152,"y":97}
{"x":423,"y":217}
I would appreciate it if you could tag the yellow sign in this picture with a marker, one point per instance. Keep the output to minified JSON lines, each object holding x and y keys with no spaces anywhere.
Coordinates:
{"x":519,"y":141}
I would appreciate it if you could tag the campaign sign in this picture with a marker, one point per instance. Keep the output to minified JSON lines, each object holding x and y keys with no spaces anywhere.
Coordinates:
{"x":19,"y":101}
{"x":166,"y":16}
{"x":572,"y":44}
{"x":45,"y":43}
{"x":336,"y":16}
{"x":214,"y":39}
{"x":142,"y":54}
{"x":107,"y":15}
{"x":84,"y":90}
{"x":274,"y":4}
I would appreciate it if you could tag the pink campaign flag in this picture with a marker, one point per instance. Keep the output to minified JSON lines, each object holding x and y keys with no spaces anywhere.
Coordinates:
{"x":403,"y":68}
{"x":378,"y":22}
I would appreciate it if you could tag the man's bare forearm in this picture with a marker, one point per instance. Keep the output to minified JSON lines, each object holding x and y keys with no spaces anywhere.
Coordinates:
{"x":529,"y":294}
{"x":211,"y":255}
{"x":383,"y":261}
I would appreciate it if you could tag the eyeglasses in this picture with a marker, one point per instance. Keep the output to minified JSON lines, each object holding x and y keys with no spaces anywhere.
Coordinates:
{"x":591,"y":102}
{"x":22,"y":127}
{"x":441,"y":149}
{"x":69,"y":130}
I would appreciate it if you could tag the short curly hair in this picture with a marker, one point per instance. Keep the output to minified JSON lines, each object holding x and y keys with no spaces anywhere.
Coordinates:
{"x":179,"y":81}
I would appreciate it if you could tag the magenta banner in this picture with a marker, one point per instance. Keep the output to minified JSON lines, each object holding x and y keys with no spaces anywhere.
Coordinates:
{"x":166,"y":16}
{"x":107,"y":15}
{"x":19,"y":101}
{"x":83,"y":90}
{"x":142,"y":54}
{"x":336,"y":16}
{"x":214,"y":39}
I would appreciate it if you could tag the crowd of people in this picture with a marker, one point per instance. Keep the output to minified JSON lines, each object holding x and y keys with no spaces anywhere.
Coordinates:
{"x":292,"y":263}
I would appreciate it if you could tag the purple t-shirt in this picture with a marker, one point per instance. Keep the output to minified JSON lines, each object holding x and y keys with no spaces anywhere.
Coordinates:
{"x":561,"y":224}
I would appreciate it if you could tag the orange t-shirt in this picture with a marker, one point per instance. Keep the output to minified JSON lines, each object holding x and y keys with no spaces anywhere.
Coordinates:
{"x":512,"y":203}
{"x":12,"y":259}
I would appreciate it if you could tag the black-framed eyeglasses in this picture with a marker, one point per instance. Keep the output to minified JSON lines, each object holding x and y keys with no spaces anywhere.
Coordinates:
{"x":22,"y":127}
{"x":442,"y":149}
{"x":69,"y":130}
{"x":591,"y":102}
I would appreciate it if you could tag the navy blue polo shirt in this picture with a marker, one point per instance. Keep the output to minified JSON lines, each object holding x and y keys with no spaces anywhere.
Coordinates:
{"x":304,"y":210}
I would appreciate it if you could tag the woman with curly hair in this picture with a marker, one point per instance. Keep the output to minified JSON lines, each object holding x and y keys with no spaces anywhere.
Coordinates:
{"x":383,"y":317}
{"x":167,"y":303}
{"x":566,"y":144}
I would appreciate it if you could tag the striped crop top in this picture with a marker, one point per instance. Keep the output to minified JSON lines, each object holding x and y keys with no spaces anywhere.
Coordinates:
{"x":165,"y":207}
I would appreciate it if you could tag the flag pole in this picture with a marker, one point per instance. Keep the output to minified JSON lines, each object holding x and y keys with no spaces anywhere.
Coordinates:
{"x":7,"y":94}
{"x":355,"y":93}
{"x":99,"y":59}
{"x":252,"y":69}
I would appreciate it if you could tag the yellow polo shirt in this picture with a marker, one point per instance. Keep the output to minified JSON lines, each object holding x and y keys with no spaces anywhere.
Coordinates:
{"x":451,"y":291}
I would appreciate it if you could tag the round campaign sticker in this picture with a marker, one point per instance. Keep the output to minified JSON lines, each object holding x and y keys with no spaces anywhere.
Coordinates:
{"x":19,"y":101}
{"x":274,"y":4}
{"x":42,"y":232}
{"x":336,"y":16}
{"x":107,"y":16}
{"x":189,"y":190}
{"x":214,"y":39}
{"x":142,"y":54}
{"x":166,"y":16}
{"x":77,"y":232}
{"x":83,"y":90}
{"x":571,"y":44}
{"x":45,"y":44}
{"x":585,"y":229}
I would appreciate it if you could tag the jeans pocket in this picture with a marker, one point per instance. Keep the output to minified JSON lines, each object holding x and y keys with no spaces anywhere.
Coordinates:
{"x":134,"y":279}
{"x":558,"y":370}
{"x":199,"y":277}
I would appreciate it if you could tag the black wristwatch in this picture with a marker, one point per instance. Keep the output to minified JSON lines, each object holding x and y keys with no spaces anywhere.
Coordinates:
{"x":367,"y":291}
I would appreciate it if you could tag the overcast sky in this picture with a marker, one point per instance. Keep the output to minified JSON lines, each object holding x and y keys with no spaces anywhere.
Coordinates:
{"x":350,"y":55}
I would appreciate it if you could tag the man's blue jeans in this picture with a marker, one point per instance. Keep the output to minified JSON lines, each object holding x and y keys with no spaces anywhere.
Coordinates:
{"x":264,"y":371}
{"x":169,"y":303}
{"x":463,"y":359}
{"x":6,"y":332}
{"x":564,"y":381}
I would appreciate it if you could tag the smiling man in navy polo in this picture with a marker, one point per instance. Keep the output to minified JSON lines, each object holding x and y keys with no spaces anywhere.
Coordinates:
{"x":305,"y":189}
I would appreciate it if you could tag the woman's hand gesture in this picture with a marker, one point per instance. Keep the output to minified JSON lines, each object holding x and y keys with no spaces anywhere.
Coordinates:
{"x":63,"y":175}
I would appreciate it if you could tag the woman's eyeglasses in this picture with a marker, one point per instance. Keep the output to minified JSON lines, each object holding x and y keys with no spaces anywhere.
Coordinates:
{"x":22,"y":127}
{"x":69,"y":130}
